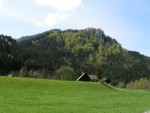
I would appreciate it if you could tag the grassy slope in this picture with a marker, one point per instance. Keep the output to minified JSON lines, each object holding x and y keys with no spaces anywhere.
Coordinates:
{"x":21,"y":95}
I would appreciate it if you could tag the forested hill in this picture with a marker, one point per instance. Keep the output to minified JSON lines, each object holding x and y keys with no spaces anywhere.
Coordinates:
{"x":71,"y":52}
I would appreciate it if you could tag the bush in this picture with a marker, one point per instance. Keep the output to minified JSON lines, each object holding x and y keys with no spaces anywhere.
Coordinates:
{"x":139,"y":84}
{"x":66,"y":73}
{"x":121,"y":85}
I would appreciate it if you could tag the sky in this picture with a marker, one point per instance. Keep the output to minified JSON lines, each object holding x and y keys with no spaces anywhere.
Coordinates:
{"x":128,"y":21}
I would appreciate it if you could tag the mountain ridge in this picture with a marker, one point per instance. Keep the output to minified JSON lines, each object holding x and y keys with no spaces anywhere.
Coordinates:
{"x":47,"y":54}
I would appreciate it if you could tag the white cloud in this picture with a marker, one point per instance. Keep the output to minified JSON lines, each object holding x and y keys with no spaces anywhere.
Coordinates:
{"x":64,"y":9}
{"x":54,"y":18}
{"x":61,"y":5}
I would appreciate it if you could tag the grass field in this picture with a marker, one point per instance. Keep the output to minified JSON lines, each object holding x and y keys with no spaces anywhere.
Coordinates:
{"x":25,"y":95}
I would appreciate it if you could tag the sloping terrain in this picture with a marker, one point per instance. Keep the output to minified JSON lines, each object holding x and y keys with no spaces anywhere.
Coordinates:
{"x":26,"y":95}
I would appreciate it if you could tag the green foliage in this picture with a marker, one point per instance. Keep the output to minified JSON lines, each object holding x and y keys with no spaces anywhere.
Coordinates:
{"x":66,"y":73}
{"x":99,"y":72}
{"x":9,"y":58}
{"x":91,"y":58}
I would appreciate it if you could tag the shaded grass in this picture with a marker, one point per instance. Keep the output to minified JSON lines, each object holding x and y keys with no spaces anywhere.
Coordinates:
{"x":24,"y":95}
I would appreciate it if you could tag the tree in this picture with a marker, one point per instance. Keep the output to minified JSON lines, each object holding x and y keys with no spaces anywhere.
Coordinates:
{"x":66,"y":73}
{"x":99,"y":72}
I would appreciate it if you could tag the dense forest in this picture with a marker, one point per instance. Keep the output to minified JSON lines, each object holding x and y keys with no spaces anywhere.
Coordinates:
{"x":54,"y":53}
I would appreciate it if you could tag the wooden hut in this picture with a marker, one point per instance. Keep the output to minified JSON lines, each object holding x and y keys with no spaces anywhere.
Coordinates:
{"x":86,"y":77}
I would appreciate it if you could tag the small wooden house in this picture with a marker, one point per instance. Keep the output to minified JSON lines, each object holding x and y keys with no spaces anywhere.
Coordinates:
{"x":86,"y":77}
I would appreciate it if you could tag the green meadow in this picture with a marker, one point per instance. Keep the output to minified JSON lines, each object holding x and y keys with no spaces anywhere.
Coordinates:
{"x":27,"y":95}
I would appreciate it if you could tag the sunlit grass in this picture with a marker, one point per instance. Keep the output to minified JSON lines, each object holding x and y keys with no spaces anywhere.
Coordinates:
{"x":25,"y":95}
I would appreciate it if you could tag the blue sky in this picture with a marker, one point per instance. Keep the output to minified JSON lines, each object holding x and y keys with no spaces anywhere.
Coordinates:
{"x":128,"y":21}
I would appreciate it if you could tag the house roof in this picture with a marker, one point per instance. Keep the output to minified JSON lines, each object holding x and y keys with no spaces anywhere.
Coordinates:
{"x":81,"y":76}
{"x":92,"y":77}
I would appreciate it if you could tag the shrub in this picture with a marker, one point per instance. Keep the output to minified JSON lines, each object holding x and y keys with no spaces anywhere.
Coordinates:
{"x":66,"y":73}
{"x":121,"y":85}
{"x":143,"y":83}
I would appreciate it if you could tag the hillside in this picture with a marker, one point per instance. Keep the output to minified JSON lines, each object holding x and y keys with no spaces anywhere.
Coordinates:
{"x":51,"y":53}
{"x":26,"y":95}
{"x":9,"y":59}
